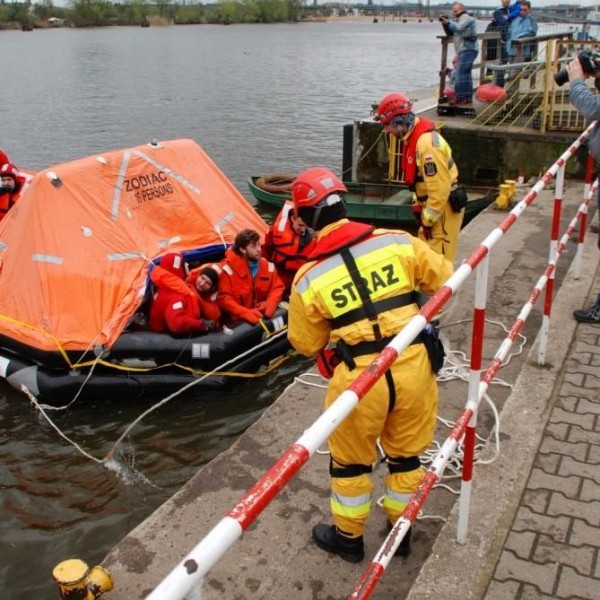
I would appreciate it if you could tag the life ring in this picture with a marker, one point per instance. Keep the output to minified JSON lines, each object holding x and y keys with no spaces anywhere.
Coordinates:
{"x":276,"y":182}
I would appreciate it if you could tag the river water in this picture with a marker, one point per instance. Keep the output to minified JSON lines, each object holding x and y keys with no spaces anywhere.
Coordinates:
{"x":257,"y":98}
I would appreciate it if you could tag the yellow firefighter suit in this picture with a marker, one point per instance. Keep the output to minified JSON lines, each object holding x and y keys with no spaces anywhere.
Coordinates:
{"x":325,"y":307}
{"x":437,"y":176}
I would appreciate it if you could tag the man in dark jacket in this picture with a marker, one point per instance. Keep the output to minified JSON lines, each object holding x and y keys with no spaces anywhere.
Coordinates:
{"x":587,"y":103}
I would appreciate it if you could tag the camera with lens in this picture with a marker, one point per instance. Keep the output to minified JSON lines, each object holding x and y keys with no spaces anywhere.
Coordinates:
{"x":587,"y":60}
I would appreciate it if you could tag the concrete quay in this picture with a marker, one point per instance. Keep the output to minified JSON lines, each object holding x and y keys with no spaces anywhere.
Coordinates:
{"x":534,"y":529}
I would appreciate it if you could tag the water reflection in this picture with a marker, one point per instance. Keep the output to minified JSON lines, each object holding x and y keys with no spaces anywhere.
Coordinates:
{"x":258,"y":99}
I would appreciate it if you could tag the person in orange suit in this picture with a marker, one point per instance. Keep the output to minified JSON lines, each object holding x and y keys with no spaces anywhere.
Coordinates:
{"x":249,"y":287}
{"x":175,"y":307}
{"x":288,"y":244}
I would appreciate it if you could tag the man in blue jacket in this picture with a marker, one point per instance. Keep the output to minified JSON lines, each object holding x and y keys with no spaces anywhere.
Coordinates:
{"x":524,"y":26}
{"x":501,"y":20}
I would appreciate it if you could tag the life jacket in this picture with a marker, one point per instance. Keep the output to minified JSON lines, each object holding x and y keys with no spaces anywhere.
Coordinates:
{"x":286,"y":252}
{"x":409,"y":151}
{"x":6,"y":203}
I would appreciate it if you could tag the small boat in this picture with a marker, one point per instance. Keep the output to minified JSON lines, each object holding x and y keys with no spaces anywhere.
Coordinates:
{"x":75,"y":253}
{"x":384,"y":203}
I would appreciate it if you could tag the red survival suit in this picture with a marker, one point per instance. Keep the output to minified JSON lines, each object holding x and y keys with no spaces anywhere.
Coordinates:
{"x":288,"y":250}
{"x":209,"y":309}
{"x":9,"y":197}
{"x":175,"y":307}
{"x":243,"y":297}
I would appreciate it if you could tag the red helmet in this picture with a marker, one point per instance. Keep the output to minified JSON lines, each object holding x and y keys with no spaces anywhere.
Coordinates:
{"x":9,"y":170}
{"x":391,"y":106}
{"x":314,"y":185}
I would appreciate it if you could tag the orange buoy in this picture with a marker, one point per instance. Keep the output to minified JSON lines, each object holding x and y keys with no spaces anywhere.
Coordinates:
{"x":488,"y":92}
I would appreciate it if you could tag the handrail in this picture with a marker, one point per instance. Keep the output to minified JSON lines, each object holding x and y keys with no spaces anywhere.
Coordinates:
{"x":196,"y":564}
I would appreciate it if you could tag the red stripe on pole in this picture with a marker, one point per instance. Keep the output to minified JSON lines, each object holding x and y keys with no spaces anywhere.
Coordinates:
{"x":460,"y":424}
{"x":556,"y":219}
{"x":582,"y":227}
{"x":477,"y":339}
{"x":468,"y":454}
{"x":368,"y":581}
{"x":507,"y":222}
{"x":589,"y":168}
{"x":414,"y":505}
{"x":367,"y":379}
{"x":477,"y":256}
{"x":269,"y":485}
{"x":549,"y":296}
{"x":432,"y":308}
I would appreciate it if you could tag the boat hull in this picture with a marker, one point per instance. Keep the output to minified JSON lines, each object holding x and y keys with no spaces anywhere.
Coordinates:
{"x":144,"y":364}
{"x":389,"y":204}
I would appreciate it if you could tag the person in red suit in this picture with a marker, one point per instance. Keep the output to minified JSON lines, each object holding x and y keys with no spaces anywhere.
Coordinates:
{"x":10,"y":185}
{"x":249,"y":287}
{"x":205,"y":279}
{"x":175,"y":307}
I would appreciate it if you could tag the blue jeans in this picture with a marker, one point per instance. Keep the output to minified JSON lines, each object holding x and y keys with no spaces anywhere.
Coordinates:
{"x":464,"y":77}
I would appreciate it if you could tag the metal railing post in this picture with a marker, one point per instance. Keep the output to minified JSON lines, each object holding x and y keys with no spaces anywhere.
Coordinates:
{"x":477,"y":337}
{"x":554,"y":231}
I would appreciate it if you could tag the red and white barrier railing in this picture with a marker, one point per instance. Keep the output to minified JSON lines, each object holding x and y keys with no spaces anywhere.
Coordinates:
{"x":193,"y":567}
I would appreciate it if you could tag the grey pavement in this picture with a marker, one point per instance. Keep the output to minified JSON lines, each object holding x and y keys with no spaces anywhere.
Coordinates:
{"x":534,"y":529}
{"x":535,"y":521}
{"x":553,"y":546}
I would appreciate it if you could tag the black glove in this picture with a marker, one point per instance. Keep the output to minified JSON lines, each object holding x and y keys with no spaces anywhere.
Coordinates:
{"x":210,"y":325}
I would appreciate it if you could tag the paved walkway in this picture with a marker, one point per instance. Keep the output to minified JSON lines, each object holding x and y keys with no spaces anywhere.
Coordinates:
{"x":553,"y":547}
{"x":542,"y":540}
{"x":534,"y":519}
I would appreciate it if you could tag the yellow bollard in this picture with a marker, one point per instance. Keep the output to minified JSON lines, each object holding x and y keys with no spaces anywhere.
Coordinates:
{"x":76,"y":581}
{"x":507,"y":192}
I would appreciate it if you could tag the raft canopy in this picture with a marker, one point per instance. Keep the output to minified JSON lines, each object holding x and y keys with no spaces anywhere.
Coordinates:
{"x":75,"y":249}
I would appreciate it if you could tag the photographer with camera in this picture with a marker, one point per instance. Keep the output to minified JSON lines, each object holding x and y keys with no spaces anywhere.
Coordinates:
{"x":587,"y":103}
{"x":464,"y":32}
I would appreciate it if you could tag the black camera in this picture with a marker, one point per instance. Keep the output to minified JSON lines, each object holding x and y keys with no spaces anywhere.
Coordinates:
{"x":587,"y":60}
{"x":442,"y":18}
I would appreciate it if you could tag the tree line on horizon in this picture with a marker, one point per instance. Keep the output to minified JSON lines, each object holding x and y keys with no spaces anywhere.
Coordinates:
{"x":101,"y":13}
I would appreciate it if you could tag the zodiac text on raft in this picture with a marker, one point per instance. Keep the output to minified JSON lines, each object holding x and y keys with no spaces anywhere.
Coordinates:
{"x":149,"y":186}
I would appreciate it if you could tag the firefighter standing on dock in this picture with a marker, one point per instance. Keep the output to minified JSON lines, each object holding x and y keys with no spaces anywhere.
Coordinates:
{"x":429,"y":170}
{"x":356,"y":292}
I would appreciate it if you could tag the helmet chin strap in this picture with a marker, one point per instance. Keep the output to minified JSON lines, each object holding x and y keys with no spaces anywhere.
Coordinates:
{"x":315,"y":218}
{"x":404,"y":124}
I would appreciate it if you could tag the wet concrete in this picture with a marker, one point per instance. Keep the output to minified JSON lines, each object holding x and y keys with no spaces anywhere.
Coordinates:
{"x":276,"y":558}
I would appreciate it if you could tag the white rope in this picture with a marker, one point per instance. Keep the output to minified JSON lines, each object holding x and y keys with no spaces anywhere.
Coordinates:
{"x":456,"y":366}
{"x":109,"y":460}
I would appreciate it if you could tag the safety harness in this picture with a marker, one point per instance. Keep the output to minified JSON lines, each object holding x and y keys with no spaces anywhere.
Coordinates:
{"x":348,"y":353}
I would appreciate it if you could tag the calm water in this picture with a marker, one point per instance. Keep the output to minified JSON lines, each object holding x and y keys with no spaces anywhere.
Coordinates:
{"x":258,"y":99}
